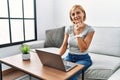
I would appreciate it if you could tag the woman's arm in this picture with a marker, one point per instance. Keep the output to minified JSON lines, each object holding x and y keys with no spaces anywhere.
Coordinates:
{"x":64,"y":45}
{"x":84,"y":44}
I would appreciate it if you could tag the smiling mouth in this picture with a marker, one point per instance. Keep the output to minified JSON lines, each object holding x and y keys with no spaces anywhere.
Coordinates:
{"x":77,"y":20}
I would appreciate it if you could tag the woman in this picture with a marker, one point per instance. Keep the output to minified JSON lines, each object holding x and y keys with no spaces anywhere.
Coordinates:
{"x":77,"y":39}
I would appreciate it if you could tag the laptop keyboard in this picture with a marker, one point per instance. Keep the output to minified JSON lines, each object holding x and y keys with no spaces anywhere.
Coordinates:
{"x":67,"y":67}
{"x":67,"y":64}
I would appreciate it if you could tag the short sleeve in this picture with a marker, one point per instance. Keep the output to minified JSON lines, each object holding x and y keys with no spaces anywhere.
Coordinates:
{"x":68,"y":29}
{"x":91,"y":29}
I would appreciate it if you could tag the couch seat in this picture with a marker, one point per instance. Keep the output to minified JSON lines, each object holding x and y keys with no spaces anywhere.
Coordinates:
{"x":103,"y":66}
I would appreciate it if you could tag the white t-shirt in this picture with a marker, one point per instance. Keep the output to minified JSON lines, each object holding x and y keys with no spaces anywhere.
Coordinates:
{"x":72,"y":42}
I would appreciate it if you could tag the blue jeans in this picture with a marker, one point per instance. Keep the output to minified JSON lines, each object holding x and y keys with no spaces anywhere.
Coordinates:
{"x":79,"y":59}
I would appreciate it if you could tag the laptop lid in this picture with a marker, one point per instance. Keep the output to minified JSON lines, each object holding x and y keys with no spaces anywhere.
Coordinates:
{"x":52,"y":60}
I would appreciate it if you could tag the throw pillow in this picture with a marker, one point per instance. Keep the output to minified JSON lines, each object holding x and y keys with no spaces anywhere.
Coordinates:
{"x":54,"y":37}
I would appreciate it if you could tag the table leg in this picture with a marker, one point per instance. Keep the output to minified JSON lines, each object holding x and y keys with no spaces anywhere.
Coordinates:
{"x":82,"y":74}
{"x":0,"y":71}
{"x":30,"y":77}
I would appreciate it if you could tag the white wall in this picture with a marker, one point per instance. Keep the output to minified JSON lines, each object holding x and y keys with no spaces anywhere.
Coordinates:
{"x":99,"y":12}
{"x":44,"y":17}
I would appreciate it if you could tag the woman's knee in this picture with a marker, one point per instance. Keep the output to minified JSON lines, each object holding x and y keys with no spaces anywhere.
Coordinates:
{"x":86,"y":64}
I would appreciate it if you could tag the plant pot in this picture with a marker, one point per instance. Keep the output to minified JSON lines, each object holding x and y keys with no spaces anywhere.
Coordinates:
{"x":26,"y":56}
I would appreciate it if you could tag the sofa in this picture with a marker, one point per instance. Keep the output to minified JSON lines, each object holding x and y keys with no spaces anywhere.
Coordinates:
{"x":104,"y":51}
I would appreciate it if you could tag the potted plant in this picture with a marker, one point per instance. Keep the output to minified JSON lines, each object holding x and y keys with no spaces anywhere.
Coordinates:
{"x":25,"y":51}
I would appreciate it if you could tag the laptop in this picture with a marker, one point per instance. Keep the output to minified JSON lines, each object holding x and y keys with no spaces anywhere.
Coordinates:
{"x":54,"y":61}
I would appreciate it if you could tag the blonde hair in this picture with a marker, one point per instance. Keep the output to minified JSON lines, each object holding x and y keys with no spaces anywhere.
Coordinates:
{"x":81,"y":8}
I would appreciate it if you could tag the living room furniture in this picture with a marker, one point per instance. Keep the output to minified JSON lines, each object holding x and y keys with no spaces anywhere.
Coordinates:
{"x":35,"y":68}
{"x":104,"y":50}
{"x":115,"y":76}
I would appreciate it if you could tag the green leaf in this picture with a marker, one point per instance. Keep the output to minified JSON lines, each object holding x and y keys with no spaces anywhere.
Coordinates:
{"x":25,"y":49}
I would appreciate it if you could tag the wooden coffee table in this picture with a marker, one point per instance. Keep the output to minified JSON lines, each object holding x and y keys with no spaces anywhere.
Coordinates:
{"x":35,"y":68}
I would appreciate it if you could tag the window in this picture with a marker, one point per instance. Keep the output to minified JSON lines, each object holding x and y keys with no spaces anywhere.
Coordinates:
{"x":17,"y":22}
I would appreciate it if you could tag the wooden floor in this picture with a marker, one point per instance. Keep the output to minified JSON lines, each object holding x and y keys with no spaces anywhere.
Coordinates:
{"x":13,"y":75}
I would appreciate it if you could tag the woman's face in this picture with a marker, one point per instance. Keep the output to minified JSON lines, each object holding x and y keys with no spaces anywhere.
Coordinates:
{"x":77,"y":16}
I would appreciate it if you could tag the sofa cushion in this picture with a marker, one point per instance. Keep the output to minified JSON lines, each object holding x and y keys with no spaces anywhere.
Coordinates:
{"x":103,"y":66}
{"x":54,"y":37}
{"x":106,"y":41}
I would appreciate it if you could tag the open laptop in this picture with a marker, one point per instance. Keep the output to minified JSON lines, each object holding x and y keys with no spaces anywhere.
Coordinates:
{"x":54,"y":60}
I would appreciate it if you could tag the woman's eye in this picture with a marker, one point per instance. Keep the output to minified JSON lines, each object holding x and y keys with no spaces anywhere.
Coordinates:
{"x":73,"y":14}
{"x":78,"y":12}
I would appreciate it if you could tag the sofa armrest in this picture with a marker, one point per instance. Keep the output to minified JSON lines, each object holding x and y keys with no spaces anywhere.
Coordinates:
{"x":36,"y":44}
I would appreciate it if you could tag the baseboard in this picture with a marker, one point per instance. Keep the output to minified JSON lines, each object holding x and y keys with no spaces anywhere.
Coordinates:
{"x":8,"y":71}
